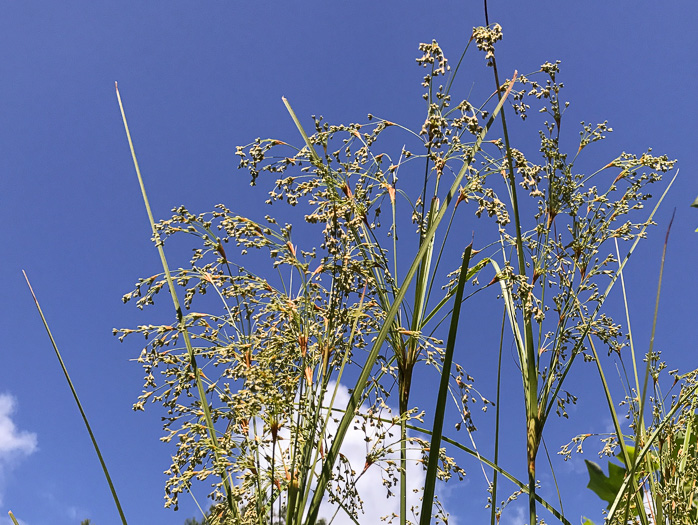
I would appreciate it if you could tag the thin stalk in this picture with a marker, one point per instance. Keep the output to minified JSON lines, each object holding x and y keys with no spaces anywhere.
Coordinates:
{"x":182,"y":326}
{"x":474,"y":453}
{"x":493,"y":512}
{"x":656,"y":312}
{"x":326,"y":420}
{"x":575,"y":351}
{"x":193,"y":497}
{"x":368,"y":255}
{"x":639,"y":405}
{"x":681,"y":401}
{"x":406,"y":351}
{"x":491,"y":464}
{"x":506,"y":474}
{"x":455,"y":72}
{"x":471,"y":273}
{"x":529,"y":367}
{"x":630,"y":331}
{"x":403,"y":466}
{"x":640,"y":422}
{"x":640,"y":433}
{"x":409,"y":358}
{"x":77,"y":402}
{"x":405,"y":370}
{"x":440,"y":410}
{"x":508,"y":305}
{"x":552,"y":471}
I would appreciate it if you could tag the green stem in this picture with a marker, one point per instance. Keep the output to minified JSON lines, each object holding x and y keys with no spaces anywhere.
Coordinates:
{"x":182,"y":326}
{"x":403,"y":470}
{"x":77,"y":401}
{"x":495,"y":476}
{"x":529,"y":367}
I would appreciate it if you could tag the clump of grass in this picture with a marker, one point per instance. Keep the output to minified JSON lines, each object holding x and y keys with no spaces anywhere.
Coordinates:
{"x":285,"y":342}
{"x":248,"y":372}
{"x":279,"y":346}
{"x":655,"y":481}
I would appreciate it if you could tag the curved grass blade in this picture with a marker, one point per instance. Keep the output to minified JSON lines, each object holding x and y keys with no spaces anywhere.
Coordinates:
{"x":77,"y":401}
{"x":498,"y":469}
{"x":640,"y":432}
{"x":651,"y":440}
{"x":474,"y":453}
{"x":616,"y":276}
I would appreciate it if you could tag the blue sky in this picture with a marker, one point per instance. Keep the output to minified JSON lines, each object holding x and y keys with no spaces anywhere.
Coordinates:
{"x":198,"y":79}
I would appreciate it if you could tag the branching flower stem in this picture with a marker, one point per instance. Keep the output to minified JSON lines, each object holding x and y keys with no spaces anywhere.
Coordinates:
{"x":232,"y":505}
{"x":528,"y":353}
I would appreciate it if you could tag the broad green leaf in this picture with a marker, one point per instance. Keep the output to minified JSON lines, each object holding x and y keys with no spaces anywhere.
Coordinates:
{"x":605,"y":487}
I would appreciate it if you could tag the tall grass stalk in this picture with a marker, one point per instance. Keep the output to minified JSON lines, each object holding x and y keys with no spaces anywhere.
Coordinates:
{"x":490,"y":463}
{"x":527,"y":355}
{"x":563,"y":264}
{"x":79,"y":405}
{"x":251,"y":387}
{"x":494,"y":517}
{"x":435,"y":219}
{"x":440,"y":410}
{"x":182,"y":328}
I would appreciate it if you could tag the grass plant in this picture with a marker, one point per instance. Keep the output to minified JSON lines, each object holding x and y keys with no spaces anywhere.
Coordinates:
{"x":655,"y":482}
{"x":250,"y":370}
{"x":298,"y":328}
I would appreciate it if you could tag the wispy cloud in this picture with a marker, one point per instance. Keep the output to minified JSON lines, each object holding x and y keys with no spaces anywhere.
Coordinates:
{"x":12,"y":441}
{"x":14,"y":444}
{"x":518,"y":518}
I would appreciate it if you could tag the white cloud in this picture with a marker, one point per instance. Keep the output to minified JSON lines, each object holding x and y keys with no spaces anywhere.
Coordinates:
{"x":370,"y":487}
{"x":14,"y":443}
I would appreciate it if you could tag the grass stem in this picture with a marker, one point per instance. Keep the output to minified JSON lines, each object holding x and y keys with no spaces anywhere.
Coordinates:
{"x":77,"y":402}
